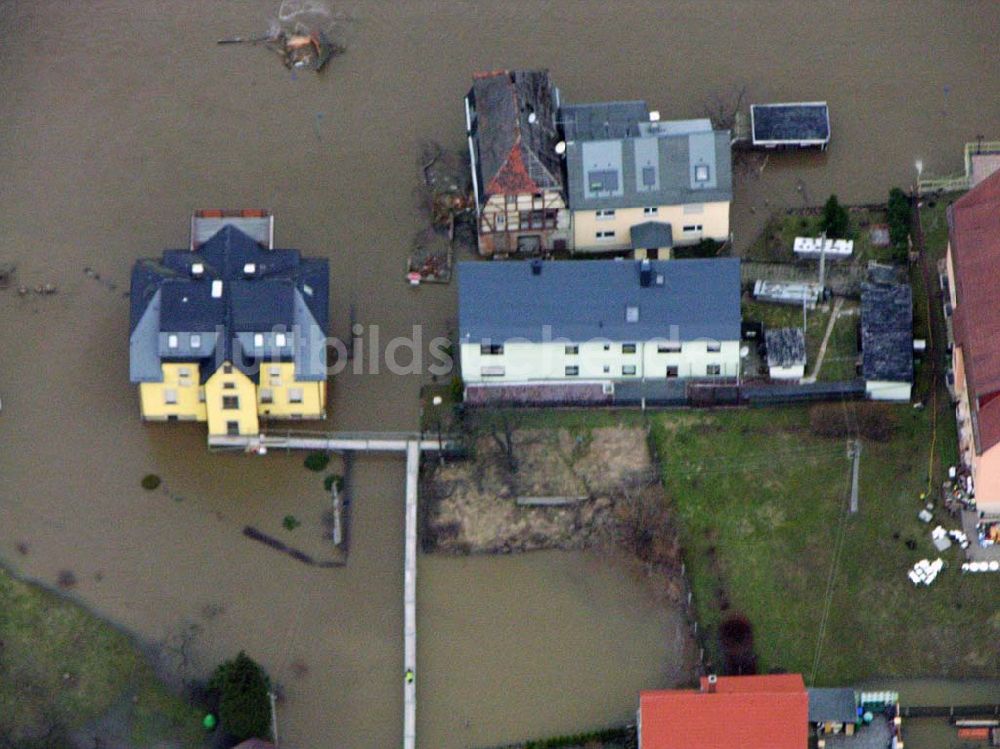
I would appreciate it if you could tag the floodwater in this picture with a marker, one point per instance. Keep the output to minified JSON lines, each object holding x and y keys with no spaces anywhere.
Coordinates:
{"x":118,"y":117}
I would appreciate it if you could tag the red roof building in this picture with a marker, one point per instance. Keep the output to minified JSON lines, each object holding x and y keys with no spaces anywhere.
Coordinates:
{"x":974,"y":290}
{"x":728,"y":712}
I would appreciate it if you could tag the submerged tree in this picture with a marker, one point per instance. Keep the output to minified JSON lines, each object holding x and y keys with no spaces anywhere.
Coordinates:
{"x":835,"y":221}
{"x":244,"y":704}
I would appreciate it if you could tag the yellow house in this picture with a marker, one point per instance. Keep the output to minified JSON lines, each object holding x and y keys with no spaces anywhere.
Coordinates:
{"x":230,"y":332}
{"x":638,"y":184}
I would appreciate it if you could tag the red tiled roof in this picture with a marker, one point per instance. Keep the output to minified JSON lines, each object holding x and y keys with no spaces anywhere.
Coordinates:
{"x":974,"y":233}
{"x":744,"y":712}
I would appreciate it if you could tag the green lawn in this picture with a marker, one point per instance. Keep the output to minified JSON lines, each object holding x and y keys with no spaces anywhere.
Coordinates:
{"x":61,"y":668}
{"x":775,"y":242}
{"x":759,"y":502}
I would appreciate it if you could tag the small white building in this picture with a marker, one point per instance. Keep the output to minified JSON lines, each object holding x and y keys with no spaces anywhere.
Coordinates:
{"x":533,"y":323}
{"x":786,"y":353}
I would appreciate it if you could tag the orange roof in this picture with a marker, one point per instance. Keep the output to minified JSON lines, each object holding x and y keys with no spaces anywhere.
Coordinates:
{"x":744,"y":712}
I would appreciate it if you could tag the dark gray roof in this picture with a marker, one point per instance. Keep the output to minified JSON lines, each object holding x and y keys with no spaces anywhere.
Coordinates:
{"x":792,"y":123}
{"x":887,"y":332}
{"x":588,"y":300}
{"x":786,"y":347}
{"x":514,"y":131}
{"x":612,"y":119}
{"x":213,"y":317}
{"x":832,"y":705}
{"x":668,"y":164}
{"x":651,"y":234}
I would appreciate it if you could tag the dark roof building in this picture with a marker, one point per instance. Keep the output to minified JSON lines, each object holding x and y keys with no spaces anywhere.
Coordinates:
{"x":887,"y":339}
{"x":799,"y":124}
{"x":599,"y":299}
{"x":786,"y":348}
{"x":514,"y":132}
{"x":832,"y":705}
{"x":230,"y":300}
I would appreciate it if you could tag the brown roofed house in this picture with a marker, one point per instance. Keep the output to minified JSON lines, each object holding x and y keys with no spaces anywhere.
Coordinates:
{"x":517,"y":172}
{"x":973,"y":264}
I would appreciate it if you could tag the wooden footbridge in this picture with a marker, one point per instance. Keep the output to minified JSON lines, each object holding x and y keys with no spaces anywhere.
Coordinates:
{"x":411,"y":443}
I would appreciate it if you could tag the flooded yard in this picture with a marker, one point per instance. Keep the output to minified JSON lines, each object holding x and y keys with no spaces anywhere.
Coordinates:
{"x":121,"y":117}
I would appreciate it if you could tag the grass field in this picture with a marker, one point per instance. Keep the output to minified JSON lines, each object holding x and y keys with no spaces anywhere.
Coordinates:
{"x":61,"y":669}
{"x":776,"y":240}
{"x":760,"y":502}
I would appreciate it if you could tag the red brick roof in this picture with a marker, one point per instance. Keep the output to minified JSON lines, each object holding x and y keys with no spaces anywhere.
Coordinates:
{"x":744,"y":712}
{"x":974,"y":233}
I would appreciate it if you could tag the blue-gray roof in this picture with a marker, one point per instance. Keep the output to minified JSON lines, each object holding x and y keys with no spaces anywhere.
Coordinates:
{"x":244,"y":295}
{"x":651,"y":235}
{"x":663,"y":163}
{"x":836,"y":705}
{"x":589,"y":300}
{"x":887,"y":332}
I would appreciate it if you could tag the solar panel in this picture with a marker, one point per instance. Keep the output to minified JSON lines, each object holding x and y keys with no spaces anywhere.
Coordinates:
{"x":603,"y":180}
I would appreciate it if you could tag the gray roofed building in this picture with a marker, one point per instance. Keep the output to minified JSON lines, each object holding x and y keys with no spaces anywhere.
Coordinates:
{"x":594,"y":300}
{"x":514,"y":131}
{"x":660,"y":163}
{"x":786,"y":347}
{"x":652,"y":234}
{"x":887,"y":332}
{"x":602,"y":121}
{"x":832,"y":705}
{"x":224,"y":301}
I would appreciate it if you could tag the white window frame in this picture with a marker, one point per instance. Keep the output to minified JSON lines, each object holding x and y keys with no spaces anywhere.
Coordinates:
{"x":493,"y":371}
{"x":295,"y":395}
{"x":572,"y":370}
{"x":693,"y":229}
{"x":710,"y":373}
{"x":650,"y":211}
{"x":604,"y":214}
{"x":628,"y":370}
{"x":605,"y":235}
{"x":668,"y":347}
{"x":169,"y":397}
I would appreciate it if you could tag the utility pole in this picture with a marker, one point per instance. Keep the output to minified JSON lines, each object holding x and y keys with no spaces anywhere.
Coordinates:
{"x":274,"y":718}
{"x":854,"y":452}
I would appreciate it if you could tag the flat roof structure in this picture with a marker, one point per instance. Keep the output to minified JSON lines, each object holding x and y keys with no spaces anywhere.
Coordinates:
{"x":786,"y":347}
{"x":887,"y":332}
{"x":795,"y":124}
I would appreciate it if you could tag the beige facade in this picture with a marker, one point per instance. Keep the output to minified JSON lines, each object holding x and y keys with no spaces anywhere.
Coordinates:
{"x":609,"y":230}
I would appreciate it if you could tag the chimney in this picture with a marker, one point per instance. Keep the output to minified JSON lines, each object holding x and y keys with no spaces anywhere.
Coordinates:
{"x":712,"y":681}
{"x":536,"y":267}
{"x":645,"y":274}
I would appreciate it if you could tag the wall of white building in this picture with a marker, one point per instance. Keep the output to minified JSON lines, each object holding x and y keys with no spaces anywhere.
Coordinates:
{"x":524,"y":361}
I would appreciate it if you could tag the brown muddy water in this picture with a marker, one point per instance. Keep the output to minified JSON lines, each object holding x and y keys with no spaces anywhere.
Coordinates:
{"x":117,"y":118}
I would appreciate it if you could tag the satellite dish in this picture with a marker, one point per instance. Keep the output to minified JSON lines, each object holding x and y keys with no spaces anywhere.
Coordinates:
{"x":654,"y":116}
{"x":561,"y":147}
{"x":744,"y":352}
{"x":532,"y":118}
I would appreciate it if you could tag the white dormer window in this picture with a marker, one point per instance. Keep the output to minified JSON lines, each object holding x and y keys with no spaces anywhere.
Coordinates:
{"x":172,"y":341}
{"x":701,"y":173}
{"x":195,"y":341}
{"x":216,"y":289}
{"x":250,"y":268}
{"x":197,"y":269}
{"x":258,"y":340}
{"x":632,"y":313}
{"x":281,"y":340}
{"x":307,"y":289}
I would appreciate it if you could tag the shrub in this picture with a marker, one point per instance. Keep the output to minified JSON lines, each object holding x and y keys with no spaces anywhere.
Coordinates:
{"x":317,"y":461}
{"x":869,"y":420}
{"x":290,"y":522}
{"x":332,"y":479}
{"x":899,"y":217}
{"x":835,"y":221}
{"x":244,"y":706}
{"x":150,"y":482}
{"x":457,"y":389}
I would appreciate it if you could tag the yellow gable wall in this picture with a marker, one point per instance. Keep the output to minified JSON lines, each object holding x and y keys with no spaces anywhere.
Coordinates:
{"x":225,"y":384}
{"x":277,"y":380}
{"x":182,"y":386}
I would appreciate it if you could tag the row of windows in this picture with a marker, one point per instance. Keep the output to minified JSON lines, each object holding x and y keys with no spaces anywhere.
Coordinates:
{"x":232,"y":402}
{"x":666,"y":347}
{"x":627,"y":370}
{"x":608,"y":213}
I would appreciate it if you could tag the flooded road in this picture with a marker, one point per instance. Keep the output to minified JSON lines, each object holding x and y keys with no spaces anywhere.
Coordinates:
{"x":120,"y":117}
